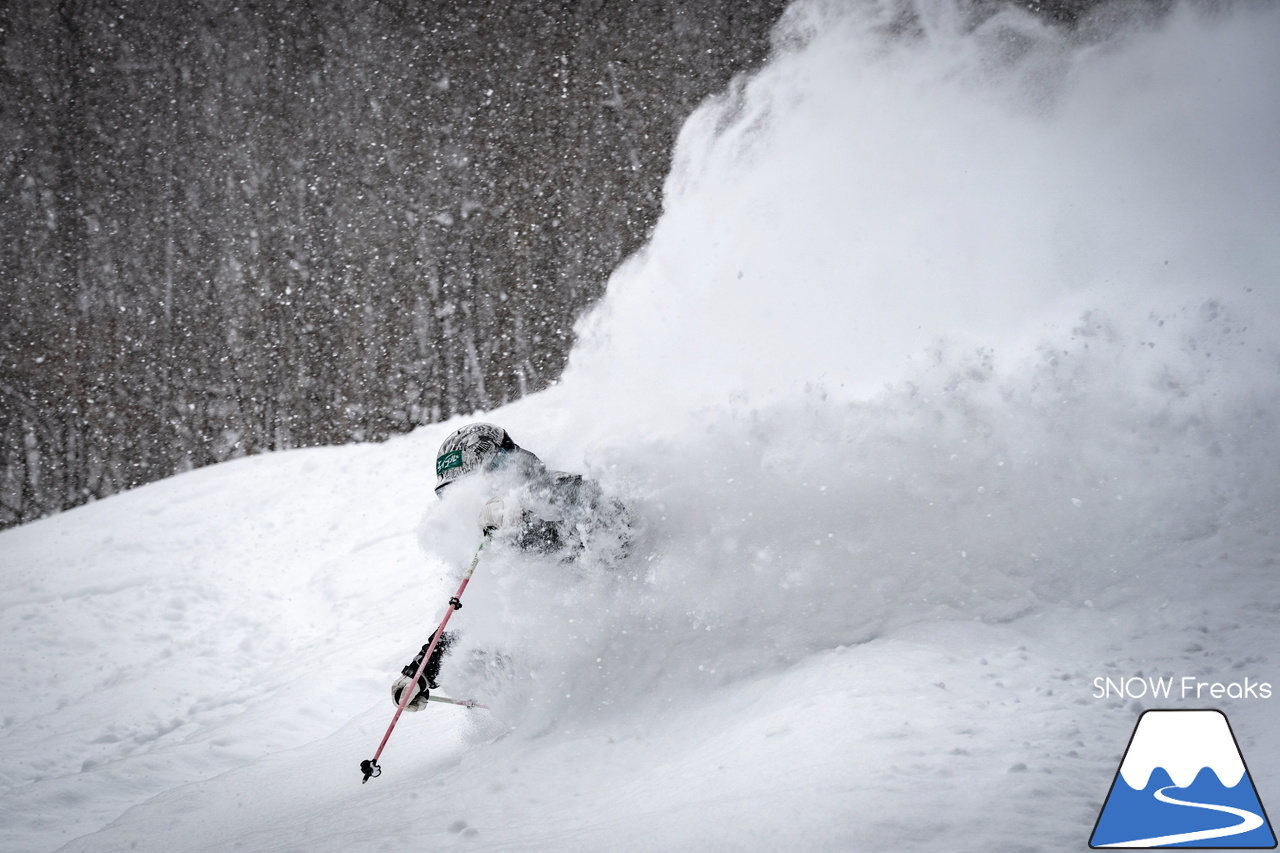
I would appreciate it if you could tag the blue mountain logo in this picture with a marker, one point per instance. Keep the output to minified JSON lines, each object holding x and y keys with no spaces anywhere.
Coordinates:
{"x":1183,"y":783}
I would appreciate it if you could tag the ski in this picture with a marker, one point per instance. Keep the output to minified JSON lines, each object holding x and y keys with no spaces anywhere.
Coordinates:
{"x":465,"y":703}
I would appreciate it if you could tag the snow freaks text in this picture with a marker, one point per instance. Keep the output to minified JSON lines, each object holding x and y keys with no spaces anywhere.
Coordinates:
{"x":1186,"y":687}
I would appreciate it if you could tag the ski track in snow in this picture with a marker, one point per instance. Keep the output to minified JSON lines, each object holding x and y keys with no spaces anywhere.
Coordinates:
{"x":948,"y":383}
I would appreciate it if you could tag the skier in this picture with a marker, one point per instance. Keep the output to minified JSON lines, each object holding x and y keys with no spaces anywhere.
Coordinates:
{"x":545,"y":512}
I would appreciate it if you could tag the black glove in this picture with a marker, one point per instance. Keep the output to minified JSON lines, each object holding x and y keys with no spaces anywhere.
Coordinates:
{"x":428,"y":677}
{"x":419,"y":701}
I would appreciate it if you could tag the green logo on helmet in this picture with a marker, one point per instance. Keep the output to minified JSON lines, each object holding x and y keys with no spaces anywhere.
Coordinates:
{"x":449,"y":461}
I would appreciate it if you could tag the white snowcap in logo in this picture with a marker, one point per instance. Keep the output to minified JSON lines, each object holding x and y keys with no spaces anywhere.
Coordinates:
{"x":1183,"y":743}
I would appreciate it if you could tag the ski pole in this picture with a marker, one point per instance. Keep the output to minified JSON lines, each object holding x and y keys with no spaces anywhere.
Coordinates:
{"x":370,"y":767}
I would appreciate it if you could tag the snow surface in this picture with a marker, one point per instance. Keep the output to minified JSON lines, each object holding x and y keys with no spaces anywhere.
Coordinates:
{"x":947,"y":384}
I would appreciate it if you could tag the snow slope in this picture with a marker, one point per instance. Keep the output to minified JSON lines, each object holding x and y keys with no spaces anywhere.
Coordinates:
{"x":947,"y":384}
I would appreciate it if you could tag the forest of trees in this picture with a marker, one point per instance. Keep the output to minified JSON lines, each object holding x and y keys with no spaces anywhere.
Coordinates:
{"x":231,"y":227}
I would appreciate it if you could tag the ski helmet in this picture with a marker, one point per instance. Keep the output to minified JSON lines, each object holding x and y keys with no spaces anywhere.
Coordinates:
{"x":473,"y":447}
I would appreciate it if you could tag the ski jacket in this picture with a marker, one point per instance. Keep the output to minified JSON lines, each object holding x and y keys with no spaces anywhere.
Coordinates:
{"x":555,"y":512}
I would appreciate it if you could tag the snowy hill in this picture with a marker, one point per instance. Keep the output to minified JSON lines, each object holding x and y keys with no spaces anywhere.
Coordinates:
{"x":949,"y":382}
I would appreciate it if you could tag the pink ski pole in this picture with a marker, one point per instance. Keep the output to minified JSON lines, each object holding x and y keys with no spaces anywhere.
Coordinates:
{"x":370,"y":767}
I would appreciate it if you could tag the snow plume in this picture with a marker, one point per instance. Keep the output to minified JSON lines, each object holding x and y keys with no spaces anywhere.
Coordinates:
{"x":771,"y":532}
{"x":948,"y":315}
{"x":901,"y":173}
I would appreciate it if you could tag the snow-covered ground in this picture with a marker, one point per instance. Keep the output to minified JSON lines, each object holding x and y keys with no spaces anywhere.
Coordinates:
{"x":948,"y":384}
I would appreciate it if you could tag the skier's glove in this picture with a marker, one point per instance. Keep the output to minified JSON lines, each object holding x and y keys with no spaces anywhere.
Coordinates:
{"x":493,"y":516}
{"x":419,"y":701}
